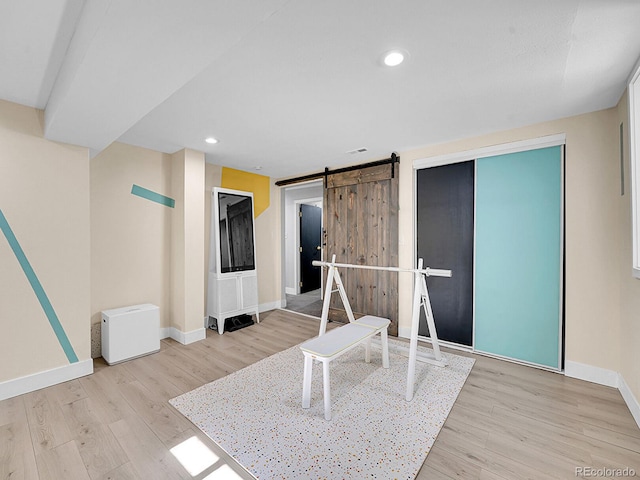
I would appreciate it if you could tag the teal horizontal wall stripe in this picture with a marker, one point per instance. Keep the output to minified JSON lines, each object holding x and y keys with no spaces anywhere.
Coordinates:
{"x":38,"y":290}
{"x":153,"y":196}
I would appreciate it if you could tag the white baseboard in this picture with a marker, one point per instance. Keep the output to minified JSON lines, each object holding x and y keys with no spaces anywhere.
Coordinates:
{"x":404,"y":332}
{"x":265,"y":307}
{"x":186,"y":338}
{"x":290,"y":291}
{"x":629,"y":398}
{"x":36,"y":381}
{"x":601,"y":376}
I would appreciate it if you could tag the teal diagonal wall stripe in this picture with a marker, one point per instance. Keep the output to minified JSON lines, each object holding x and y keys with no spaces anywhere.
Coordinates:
{"x":38,"y":290}
{"x":153,"y":196}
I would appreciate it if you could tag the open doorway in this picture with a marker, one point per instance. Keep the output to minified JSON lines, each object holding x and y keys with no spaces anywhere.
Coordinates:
{"x":303,"y":244}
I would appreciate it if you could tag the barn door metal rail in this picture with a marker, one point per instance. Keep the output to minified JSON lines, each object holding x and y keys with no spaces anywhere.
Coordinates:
{"x":393,"y":159}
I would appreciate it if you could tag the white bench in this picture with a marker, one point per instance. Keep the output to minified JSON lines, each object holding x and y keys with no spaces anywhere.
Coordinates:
{"x":336,"y":342}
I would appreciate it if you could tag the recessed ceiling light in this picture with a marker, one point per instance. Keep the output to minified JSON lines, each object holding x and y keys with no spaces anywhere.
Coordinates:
{"x":211,"y":140}
{"x":258,"y":167}
{"x":393,"y":58}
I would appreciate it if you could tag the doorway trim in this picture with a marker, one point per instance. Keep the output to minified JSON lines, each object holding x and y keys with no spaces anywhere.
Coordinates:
{"x":490,"y":151}
{"x":284,"y":249}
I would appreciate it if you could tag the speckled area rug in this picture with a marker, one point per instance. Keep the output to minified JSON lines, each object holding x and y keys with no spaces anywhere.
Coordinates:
{"x":256,"y":415}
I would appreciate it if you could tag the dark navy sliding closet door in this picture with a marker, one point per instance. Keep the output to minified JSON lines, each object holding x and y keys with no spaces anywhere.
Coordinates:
{"x":445,"y":228}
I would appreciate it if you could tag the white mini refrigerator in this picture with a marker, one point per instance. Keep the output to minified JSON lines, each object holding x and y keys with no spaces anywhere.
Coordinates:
{"x":130,"y":332}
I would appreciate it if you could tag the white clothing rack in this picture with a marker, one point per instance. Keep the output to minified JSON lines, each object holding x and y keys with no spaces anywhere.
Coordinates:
{"x":420,"y":299}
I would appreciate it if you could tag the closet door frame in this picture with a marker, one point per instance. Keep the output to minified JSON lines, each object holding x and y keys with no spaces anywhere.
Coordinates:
{"x":491,"y":151}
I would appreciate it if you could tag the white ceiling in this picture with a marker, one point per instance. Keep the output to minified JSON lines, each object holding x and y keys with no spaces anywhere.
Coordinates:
{"x":292,"y":85}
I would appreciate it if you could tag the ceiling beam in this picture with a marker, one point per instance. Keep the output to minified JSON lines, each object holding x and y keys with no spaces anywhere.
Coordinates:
{"x":153,"y":53}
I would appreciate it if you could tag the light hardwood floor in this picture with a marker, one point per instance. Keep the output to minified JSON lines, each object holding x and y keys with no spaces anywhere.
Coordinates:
{"x":509,"y":422}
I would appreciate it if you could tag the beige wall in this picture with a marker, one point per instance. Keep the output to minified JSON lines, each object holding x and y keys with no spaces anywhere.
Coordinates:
{"x":592,"y":233}
{"x":629,"y":286}
{"x":142,"y":251}
{"x":130,"y":235}
{"x":145,"y":252}
{"x":268,"y":251}
{"x":44,"y":195}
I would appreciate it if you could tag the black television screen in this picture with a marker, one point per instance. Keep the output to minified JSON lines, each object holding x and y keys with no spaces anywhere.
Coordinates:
{"x":236,"y":232}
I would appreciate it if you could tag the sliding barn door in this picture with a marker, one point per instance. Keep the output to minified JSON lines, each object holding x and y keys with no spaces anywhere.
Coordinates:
{"x":361,"y":227}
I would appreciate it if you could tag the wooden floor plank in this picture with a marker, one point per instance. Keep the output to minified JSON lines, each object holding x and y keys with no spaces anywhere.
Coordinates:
{"x":476,"y":435}
{"x":200,"y":367}
{"x":46,"y":422}
{"x":146,"y":373}
{"x":149,"y":456}
{"x":107,"y":402}
{"x":447,"y":462}
{"x":552,"y":437}
{"x":12,"y":410}
{"x":17,"y":459}
{"x":174,"y":372}
{"x":488,"y":475}
{"x":63,"y":461}
{"x":456,"y":443}
{"x":540,"y":382}
{"x":549,"y":462}
{"x":98,"y":448}
{"x":123,"y":472}
{"x":157,"y":414}
{"x":614,"y":438}
{"x":67,"y":392}
{"x":427,"y":472}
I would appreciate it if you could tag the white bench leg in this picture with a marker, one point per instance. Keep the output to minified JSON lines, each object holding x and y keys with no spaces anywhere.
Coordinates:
{"x":385,"y":348}
{"x":367,"y":351}
{"x":327,"y":390}
{"x":306,"y":382}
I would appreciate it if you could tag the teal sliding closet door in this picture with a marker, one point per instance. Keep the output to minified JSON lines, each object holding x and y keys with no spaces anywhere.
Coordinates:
{"x":518,"y":255}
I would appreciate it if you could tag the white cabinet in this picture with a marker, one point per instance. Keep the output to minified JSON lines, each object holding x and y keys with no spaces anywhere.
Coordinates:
{"x":233,"y":277}
{"x":232,"y":295}
{"x":130,"y":332}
